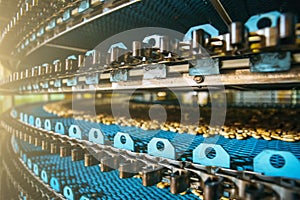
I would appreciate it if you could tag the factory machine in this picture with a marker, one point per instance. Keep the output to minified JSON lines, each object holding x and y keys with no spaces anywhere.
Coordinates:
{"x":150,"y":99}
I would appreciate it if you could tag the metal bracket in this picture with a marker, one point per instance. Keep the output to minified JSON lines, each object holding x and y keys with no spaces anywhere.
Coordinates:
{"x":119,"y":75}
{"x":96,"y":136}
{"x":154,"y":71}
{"x":271,"y":62}
{"x":211,"y":155}
{"x":47,"y":125}
{"x":161,"y":148}
{"x":92,"y":79}
{"x":31,"y":120}
{"x":204,"y":66}
{"x":59,"y":128}
{"x":44,"y":176}
{"x":75,"y":132}
{"x":123,"y":141}
{"x":38,"y":122}
{"x":290,"y":168}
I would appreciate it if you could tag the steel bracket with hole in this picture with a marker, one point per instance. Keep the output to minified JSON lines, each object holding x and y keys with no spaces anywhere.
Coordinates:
{"x":124,"y":141}
{"x":59,"y":128}
{"x":96,"y":136}
{"x":290,"y":168}
{"x":204,"y":66}
{"x":47,"y":125}
{"x":161,"y":148}
{"x":38,"y":122}
{"x":75,"y":132}
{"x":220,"y":159}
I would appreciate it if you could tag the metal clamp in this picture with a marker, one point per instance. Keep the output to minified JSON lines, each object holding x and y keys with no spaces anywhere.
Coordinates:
{"x":161,"y":148}
{"x":211,"y":155}
{"x":124,"y":141}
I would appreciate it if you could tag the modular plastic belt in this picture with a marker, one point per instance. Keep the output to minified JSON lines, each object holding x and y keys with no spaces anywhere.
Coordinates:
{"x":75,"y":181}
{"x":241,"y":153}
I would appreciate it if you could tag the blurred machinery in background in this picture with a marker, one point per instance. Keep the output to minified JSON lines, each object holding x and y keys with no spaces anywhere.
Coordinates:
{"x":143,"y":99}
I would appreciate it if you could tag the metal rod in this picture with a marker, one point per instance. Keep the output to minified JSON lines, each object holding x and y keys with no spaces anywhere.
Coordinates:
{"x":221,"y":11}
{"x":66,"y":47}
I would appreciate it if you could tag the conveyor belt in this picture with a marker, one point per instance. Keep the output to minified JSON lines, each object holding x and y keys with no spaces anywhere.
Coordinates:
{"x":242,"y":152}
{"x":89,"y":181}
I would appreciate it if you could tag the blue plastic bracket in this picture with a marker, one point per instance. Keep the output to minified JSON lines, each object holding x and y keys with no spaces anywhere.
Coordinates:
{"x":161,"y":148}
{"x":220,"y":159}
{"x":59,"y":128}
{"x":25,"y":118}
{"x":96,"y":136}
{"x":252,"y":22}
{"x":31,"y":120}
{"x":22,"y":117}
{"x":68,"y":193}
{"x":36,"y":169}
{"x":54,"y":183}
{"x":290,"y":168}
{"x":75,"y":132}
{"x":47,"y":125}
{"x":38,"y":122}
{"x":123,"y":141}
{"x":44,"y":176}
{"x":29,"y":163}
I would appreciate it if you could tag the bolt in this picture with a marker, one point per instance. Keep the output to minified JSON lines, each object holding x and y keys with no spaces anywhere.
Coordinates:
{"x":199,"y":79}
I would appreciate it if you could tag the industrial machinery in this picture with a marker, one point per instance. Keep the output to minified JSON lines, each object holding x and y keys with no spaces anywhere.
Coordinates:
{"x":144,"y":99}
